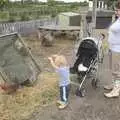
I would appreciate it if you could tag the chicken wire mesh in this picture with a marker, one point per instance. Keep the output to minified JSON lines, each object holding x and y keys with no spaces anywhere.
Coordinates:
{"x":17,"y":65}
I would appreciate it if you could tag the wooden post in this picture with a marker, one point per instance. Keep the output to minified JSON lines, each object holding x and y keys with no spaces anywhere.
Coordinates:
{"x":83,"y":30}
{"x":113,"y":18}
{"x":83,"y":26}
{"x":29,"y":52}
{"x":94,"y":17}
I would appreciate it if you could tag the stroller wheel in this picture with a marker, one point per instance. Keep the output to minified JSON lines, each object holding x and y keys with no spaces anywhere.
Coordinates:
{"x":94,"y":83}
{"x":80,"y":92}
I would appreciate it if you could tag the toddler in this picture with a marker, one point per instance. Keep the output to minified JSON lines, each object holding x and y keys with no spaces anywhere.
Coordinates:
{"x":59,"y":62}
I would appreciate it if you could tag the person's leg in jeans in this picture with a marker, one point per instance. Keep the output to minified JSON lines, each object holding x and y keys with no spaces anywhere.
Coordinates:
{"x":64,"y":94}
{"x":115,"y":75}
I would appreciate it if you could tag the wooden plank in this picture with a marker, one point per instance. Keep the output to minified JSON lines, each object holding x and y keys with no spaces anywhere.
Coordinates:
{"x":29,"y":52}
{"x":60,"y":28}
{"x":94,"y":17}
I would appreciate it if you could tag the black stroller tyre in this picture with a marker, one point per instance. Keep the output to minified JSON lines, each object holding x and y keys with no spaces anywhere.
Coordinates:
{"x":80,"y":92}
{"x":94,"y":82}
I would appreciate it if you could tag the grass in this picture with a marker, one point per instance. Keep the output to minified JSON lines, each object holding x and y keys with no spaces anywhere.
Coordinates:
{"x":20,"y":105}
{"x":25,"y":101}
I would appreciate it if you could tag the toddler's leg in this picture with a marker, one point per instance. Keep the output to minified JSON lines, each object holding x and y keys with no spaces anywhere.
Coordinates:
{"x":67,"y":91}
{"x":64,"y":93}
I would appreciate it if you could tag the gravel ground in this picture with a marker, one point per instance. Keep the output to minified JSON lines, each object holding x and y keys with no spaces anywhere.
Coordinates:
{"x":94,"y":106}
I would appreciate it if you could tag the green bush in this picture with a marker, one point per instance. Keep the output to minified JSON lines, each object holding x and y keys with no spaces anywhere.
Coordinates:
{"x":24,"y":17}
{"x":4,"y":15}
{"x":53,"y":14}
{"x":12,"y":19}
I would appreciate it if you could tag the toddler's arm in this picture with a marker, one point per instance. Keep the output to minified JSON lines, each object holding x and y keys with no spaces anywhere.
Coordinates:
{"x":52,"y":62}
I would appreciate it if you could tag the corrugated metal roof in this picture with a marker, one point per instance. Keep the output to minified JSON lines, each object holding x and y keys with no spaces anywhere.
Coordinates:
{"x":69,"y":14}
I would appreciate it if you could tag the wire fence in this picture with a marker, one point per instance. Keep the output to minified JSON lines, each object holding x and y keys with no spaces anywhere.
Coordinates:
{"x":26,"y":27}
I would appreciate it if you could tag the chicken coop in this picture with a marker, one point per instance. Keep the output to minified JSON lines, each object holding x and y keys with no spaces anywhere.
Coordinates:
{"x":69,"y":19}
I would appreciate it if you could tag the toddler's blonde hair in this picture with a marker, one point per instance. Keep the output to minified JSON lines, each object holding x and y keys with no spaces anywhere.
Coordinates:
{"x":60,"y":60}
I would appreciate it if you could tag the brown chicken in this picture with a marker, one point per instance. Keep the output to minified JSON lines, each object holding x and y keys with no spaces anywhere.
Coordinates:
{"x":9,"y":88}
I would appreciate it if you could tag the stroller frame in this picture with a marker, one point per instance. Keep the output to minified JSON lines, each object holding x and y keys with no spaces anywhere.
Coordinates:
{"x":80,"y":91}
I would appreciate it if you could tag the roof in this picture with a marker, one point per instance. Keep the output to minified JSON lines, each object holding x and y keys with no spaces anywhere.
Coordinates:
{"x":69,"y":14}
{"x":102,"y":13}
{"x":98,"y":0}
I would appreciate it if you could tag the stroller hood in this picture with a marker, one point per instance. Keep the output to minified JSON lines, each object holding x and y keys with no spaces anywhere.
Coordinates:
{"x":88,"y":43}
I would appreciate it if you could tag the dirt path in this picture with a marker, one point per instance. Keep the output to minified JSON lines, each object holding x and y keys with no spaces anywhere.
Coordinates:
{"x":94,"y":106}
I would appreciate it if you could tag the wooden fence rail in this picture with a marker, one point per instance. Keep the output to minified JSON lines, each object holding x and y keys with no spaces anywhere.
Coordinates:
{"x":26,"y":27}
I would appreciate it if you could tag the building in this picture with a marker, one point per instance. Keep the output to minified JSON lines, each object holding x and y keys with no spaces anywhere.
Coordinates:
{"x":69,"y":19}
{"x":101,"y":4}
{"x":103,"y":18}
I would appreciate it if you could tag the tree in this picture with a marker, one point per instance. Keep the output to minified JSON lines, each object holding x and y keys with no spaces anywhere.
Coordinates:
{"x":3,"y":4}
{"x":51,"y":3}
{"x":28,"y":1}
{"x":22,"y":1}
{"x":36,"y":1}
{"x":110,"y":3}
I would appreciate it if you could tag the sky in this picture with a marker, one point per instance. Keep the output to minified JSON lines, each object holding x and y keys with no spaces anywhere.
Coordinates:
{"x":59,"y":0}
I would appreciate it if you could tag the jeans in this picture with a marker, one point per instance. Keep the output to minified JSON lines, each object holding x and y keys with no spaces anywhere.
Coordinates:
{"x":64,"y":93}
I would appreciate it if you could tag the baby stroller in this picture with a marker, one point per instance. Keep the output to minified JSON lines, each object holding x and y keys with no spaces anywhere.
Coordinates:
{"x":89,"y":54}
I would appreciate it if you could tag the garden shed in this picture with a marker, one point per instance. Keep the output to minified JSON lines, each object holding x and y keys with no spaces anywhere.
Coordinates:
{"x":69,"y":19}
{"x":103,"y":18}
